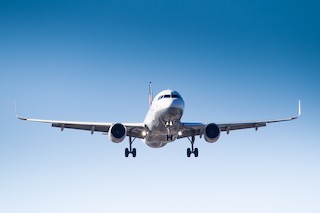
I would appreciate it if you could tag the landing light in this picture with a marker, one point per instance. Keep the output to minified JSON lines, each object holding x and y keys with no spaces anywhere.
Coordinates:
{"x":144,"y":133}
{"x":179,"y":133}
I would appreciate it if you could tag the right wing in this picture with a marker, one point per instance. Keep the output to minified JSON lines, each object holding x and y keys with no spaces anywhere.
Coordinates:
{"x":133,"y":129}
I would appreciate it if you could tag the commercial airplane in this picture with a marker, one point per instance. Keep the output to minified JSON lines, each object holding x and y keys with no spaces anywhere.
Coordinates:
{"x":161,"y":125}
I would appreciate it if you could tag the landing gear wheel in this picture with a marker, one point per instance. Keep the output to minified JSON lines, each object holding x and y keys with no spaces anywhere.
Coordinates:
{"x":126,"y":152}
{"x":188,"y":152}
{"x":131,"y":150}
{"x":196,"y":152}
{"x":193,"y":150}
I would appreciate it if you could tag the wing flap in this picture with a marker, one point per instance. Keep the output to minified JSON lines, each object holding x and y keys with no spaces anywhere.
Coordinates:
{"x":238,"y":126}
{"x":133,"y":129}
{"x":93,"y":128}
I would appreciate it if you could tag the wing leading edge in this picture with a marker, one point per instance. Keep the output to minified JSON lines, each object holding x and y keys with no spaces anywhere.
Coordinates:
{"x":133,"y":129}
{"x":193,"y":129}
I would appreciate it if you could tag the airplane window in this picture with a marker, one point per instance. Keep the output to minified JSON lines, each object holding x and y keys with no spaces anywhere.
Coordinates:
{"x":176,"y":96}
{"x":169,"y":96}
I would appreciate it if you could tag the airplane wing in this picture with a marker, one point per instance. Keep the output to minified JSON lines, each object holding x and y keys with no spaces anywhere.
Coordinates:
{"x":133,"y":129}
{"x":194,"y":129}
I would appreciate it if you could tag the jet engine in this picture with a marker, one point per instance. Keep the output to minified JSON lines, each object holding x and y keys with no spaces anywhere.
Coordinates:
{"x":211,"y":133}
{"x":117,"y":132}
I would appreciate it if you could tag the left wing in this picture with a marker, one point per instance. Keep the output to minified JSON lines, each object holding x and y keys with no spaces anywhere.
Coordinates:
{"x":133,"y":129}
{"x":194,"y":129}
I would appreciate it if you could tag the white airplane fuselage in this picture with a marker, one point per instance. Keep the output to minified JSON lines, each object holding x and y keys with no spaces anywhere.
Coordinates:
{"x":163,"y":119}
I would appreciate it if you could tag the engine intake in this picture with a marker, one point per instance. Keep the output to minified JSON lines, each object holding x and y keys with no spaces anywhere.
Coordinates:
{"x":117,"y":132}
{"x":211,"y":133}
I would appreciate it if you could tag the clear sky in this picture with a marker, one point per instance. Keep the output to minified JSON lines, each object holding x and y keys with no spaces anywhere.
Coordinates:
{"x":92,"y":61}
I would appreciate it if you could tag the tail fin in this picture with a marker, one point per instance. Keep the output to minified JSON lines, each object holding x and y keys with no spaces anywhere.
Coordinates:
{"x":150,"y":94}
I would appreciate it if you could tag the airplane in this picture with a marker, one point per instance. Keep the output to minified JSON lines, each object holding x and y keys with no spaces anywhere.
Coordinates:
{"x":162,"y":125}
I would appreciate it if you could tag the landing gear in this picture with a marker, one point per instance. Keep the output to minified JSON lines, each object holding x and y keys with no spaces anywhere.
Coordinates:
{"x":131,"y":150}
{"x":193,"y":150}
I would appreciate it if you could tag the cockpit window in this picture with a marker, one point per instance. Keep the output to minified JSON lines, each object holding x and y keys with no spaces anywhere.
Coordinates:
{"x":170,"y":96}
{"x":175,"y":95}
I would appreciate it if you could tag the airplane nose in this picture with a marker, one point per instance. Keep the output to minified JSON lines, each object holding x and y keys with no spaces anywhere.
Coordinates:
{"x":177,"y":103}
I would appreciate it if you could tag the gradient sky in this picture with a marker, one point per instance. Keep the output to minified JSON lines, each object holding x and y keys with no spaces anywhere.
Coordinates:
{"x":92,"y":61}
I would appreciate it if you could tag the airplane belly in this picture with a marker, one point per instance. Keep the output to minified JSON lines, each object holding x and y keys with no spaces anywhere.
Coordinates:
{"x":159,"y":137}
{"x":155,"y":144}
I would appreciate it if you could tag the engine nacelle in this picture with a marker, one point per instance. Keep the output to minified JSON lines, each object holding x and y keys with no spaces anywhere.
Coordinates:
{"x":117,"y":132}
{"x":211,"y":133}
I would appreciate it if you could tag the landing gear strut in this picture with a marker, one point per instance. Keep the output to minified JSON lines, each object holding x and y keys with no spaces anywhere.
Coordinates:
{"x":131,"y":150}
{"x":193,"y":150}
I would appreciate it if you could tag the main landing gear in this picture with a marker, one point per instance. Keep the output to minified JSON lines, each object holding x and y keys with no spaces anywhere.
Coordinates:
{"x":193,"y":150}
{"x":131,"y":150}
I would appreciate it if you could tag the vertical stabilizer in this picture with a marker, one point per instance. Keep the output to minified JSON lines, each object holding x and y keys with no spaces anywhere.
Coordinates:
{"x":150,"y":94}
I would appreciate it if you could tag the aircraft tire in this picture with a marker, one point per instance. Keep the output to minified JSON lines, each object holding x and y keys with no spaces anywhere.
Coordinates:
{"x":126,"y":152}
{"x":196,"y":152}
{"x":188,"y":152}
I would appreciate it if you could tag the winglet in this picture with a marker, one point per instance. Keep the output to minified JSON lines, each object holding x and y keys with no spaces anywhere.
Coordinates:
{"x":15,"y":109}
{"x":150,"y":94}
{"x":299,"y":110}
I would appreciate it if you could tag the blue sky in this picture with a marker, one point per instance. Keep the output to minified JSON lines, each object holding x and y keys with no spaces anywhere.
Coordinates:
{"x":92,"y":61}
